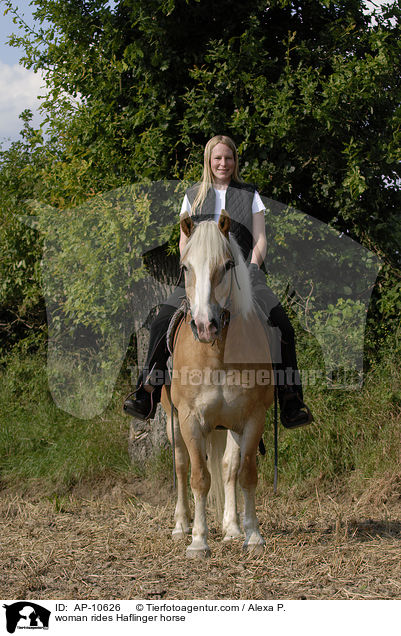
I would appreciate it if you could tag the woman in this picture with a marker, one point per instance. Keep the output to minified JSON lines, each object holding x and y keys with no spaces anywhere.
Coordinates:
{"x":222,"y":188}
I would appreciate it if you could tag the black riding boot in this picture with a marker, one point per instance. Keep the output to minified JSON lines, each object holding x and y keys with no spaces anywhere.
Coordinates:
{"x":293,"y":410}
{"x":143,"y":404}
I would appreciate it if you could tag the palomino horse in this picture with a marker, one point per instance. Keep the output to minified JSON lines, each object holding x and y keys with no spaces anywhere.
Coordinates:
{"x":222,"y":377}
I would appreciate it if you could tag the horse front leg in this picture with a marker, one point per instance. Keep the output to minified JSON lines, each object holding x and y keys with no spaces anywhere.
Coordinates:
{"x":248,"y":479}
{"x":231,"y":462}
{"x":200,"y":484}
{"x":182,"y":514}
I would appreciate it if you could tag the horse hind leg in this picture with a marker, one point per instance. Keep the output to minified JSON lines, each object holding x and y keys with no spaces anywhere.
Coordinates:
{"x":182,"y":515}
{"x":230,"y":465}
{"x":248,"y":478}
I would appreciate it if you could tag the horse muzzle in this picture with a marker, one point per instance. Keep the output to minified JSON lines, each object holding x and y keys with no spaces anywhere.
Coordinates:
{"x":205,"y":330}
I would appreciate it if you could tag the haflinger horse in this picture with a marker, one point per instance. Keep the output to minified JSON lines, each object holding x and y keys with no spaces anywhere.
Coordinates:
{"x":222,"y":379}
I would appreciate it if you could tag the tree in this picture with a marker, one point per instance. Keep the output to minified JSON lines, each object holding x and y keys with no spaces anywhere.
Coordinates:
{"x":22,"y":310}
{"x":310,"y":89}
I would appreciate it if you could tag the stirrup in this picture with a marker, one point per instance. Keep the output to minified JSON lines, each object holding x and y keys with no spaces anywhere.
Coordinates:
{"x":131,"y":408}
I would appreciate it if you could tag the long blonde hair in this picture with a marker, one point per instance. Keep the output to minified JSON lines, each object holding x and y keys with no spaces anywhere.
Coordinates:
{"x":207,"y":176}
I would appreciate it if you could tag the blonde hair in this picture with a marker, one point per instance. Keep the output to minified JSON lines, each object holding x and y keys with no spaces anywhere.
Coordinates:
{"x":207,"y":176}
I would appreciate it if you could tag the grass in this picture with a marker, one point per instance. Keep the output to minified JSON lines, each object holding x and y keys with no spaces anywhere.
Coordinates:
{"x":118,"y":545}
{"x":355,"y":432}
{"x":332,"y":533}
{"x":42,"y":444}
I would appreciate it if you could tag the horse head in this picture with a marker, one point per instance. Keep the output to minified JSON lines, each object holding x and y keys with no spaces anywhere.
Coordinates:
{"x":209,"y":261}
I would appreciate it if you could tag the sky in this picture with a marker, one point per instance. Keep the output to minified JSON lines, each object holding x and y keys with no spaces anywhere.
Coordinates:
{"x":19,"y":87}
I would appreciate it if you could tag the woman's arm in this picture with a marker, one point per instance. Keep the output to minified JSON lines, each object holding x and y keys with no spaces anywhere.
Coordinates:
{"x":259,"y":239}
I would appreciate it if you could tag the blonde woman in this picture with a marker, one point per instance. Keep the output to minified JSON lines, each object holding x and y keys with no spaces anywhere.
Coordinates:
{"x":222,"y":188}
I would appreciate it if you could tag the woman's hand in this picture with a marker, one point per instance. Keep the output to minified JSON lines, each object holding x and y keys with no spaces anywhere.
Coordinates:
{"x":253,"y":270}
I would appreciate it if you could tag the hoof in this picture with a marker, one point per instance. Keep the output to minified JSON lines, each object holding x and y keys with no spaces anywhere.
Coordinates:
{"x":256,"y":549}
{"x":254,"y":544}
{"x":198,"y":553}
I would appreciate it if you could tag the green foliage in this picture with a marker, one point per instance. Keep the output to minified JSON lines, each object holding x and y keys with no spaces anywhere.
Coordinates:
{"x":355,"y":433}
{"x":41,"y":444}
{"x":93,"y":252}
{"x":310,"y":89}
{"x":383,"y":324}
{"x":21,"y":304}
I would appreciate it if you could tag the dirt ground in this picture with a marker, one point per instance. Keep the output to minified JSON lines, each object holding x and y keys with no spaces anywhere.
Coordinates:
{"x":113,"y":541}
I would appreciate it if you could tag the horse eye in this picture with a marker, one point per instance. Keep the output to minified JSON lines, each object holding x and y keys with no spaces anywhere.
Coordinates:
{"x":229,"y":265}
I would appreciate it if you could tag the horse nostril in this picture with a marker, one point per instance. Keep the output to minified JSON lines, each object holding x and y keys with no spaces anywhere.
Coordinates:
{"x":213,"y":324}
{"x":194,"y":329}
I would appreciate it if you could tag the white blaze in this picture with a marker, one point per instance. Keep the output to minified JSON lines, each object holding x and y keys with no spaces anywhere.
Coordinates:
{"x":202,"y":294}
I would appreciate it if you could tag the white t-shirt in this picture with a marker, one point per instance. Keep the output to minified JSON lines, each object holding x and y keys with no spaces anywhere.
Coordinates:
{"x":257,"y":204}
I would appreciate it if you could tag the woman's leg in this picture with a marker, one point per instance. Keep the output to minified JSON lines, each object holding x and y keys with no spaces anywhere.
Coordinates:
{"x":293,"y":411}
{"x":287,"y":370}
{"x":144,"y":404}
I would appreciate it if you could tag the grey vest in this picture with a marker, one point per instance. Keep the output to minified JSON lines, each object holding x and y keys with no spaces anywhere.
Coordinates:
{"x":239,"y":197}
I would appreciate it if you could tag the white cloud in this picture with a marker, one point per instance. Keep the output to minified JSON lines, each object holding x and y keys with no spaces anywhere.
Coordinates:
{"x":19,"y":89}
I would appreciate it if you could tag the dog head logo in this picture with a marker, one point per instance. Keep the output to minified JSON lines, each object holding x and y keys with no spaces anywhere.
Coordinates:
{"x":26,"y":615}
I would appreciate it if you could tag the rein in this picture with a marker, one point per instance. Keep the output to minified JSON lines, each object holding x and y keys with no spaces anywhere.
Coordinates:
{"x":275,"y":441}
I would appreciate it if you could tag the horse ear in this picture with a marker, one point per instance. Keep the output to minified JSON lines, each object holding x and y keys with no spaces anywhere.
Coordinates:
{"x":224,"y":223}
{"x":187,"y":224}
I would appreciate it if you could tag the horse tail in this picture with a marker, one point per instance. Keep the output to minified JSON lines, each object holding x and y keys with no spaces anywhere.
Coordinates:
{"x":215,"y":447}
